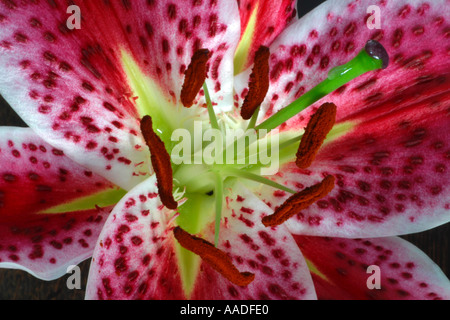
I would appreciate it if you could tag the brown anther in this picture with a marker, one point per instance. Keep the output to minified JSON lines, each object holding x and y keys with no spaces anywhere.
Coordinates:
{"x":299,"y":201}
{"x":258,"y":84}
{"x":216,"y":258}
{"x":316,"y":131}
{"x":195,"y":77}
{"x":161,"y":163}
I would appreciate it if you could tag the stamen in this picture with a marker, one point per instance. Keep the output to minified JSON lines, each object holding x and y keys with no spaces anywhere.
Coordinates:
{"x":258,"y":84}
{"x":211,"y":113}
{"x":195,"y":77}
{"x":216,"y":258}
{"x":299,"y":201}
{"x":253,"y":119}
{"x":219,"y":205}
{"x":254,"y":177}
{"x":161,"y":163}
{"x":318,"y":127}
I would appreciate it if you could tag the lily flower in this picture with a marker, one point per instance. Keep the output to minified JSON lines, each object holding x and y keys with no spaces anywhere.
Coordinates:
{"x":360,"y":114}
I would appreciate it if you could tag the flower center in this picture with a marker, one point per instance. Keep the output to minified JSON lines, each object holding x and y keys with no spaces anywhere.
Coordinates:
{"x":203,"y":183}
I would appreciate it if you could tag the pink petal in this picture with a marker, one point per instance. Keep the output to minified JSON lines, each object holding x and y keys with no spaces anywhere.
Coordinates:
{"x":35,"y":176}
{"x":270,"y":253}
{"x":405,"y":271}
{"x":271,"y":18}
{"x":391,"y":171}
{"x":135,"y":257}
{"x":413,"y":32}
{"x":48,"y":244}
{"x":163,"y":36}
{"x":70,"y":87}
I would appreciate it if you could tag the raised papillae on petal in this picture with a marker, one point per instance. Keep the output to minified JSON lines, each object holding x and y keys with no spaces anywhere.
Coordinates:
{"x":318,"y":127}
{"x":161,"y":163}
{"x":195,"y":77}
{"x":300,"y":201}
{"x":216,"y":258}
{"x":258,"y":84}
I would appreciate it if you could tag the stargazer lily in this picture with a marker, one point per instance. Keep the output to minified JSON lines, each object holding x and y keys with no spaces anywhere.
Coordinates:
{"x":361,"y":116}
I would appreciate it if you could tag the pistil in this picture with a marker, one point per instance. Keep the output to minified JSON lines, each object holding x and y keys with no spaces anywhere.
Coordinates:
{"x":254,"y":177}
{"x":211,"y":112}
{"x":218,"y":206}
{"x":216,"y":258}
{"x":253,"y":119}
{"x":372,"y":57}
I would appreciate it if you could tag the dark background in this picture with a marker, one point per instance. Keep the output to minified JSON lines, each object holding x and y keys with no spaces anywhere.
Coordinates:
{"x":16,"y":284}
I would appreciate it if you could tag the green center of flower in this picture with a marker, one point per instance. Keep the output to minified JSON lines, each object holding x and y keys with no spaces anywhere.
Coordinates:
{"x":199,"y":172}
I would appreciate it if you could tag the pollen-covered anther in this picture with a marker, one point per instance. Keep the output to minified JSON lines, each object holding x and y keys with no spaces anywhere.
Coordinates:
{"x":195,"y":76}
{"x":316,"y":131}
{"x":216,"y":258}
{"x":299,"y":201}
{"x":258,"y":84}
{"x":161,"y":163}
